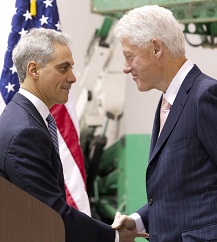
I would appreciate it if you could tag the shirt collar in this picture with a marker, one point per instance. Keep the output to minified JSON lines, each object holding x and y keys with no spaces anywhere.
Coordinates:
{"x":40,"y":106}
{"x":177,"y":81}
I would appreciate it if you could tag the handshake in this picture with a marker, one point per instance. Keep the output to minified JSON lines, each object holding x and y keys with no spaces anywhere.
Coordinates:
{"x":126,"y":227}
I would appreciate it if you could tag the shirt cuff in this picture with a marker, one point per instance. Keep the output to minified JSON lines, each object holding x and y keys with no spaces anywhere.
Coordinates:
{"x":138,"y":221}
{"x":116,"y":236}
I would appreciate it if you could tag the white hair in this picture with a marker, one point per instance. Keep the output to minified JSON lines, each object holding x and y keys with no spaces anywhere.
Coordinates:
{"x":140,"y":25}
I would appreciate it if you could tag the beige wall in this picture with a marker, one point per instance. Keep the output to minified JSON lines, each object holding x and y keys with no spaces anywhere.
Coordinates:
{"x":77,"y":20}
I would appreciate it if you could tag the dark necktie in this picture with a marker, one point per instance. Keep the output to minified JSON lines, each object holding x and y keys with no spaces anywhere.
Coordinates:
{"x":164,"y":111}
{"x":53,"y":131}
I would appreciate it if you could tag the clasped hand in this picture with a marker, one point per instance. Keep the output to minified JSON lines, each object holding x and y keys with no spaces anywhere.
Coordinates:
{"x":127,"y":228}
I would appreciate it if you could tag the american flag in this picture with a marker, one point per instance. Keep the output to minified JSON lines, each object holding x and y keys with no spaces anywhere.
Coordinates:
{"x":44,"y":13}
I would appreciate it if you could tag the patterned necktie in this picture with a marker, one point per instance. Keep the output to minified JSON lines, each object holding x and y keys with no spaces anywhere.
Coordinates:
{"x":164,"y":111}
{"x":53,"y":131}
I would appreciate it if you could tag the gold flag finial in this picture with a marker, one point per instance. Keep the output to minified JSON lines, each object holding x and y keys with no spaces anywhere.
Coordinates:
{"x":33,"y":10}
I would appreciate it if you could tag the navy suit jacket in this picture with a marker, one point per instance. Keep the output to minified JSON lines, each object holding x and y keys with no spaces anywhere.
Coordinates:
{"x":181,"y":177}
{"x":28,"y":159}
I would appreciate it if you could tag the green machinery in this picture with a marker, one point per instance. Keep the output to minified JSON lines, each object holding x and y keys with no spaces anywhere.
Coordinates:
{"x":120,"y":181}
{"x":198,"y":16}
{"x":115,"y":174}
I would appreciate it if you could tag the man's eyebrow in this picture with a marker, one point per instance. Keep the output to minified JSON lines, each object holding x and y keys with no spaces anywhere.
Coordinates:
{"x":65,"y":63}
{"x":127,"y":52}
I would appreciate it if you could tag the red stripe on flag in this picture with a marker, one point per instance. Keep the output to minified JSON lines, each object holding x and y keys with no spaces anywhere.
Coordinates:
{"x":69,"y":133}
{"x":69,"y":199}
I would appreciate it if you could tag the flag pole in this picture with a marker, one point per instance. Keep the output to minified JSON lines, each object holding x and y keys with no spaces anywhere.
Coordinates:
{"x":33,"y":9}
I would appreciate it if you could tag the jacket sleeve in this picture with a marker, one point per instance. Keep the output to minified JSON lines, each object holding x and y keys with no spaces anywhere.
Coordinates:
{"x":143,"y":212}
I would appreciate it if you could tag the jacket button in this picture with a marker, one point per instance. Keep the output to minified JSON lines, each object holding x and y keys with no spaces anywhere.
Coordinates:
{"x":150,"y":201}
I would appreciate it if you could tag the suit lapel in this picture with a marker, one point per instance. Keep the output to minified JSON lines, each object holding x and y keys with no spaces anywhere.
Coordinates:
{"x":174,"y":114}
{"x":30,"y":108}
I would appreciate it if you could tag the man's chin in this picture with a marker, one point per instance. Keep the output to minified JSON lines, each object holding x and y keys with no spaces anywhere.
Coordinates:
{"x":143,"y":88}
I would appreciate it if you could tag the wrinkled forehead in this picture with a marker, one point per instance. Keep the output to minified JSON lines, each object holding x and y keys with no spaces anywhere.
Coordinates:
{"x":128,"y":47}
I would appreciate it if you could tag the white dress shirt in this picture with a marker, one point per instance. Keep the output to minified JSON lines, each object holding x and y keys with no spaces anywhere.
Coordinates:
{"x":39,"y":105}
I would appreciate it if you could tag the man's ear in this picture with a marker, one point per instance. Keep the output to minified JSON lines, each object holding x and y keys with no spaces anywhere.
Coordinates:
{"x":157,"y":46}
{"x":32,"y":69}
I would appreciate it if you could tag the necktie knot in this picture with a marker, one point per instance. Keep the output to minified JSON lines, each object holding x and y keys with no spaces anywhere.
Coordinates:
{"x":164,"y":111}
{"x":50,"y":118}
{"x":165,"y":105}
{"x":53,"y":131}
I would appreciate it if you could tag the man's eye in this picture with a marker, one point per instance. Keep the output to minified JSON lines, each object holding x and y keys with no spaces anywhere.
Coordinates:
{"x":64,"y":68}
{"x":129,"y":58}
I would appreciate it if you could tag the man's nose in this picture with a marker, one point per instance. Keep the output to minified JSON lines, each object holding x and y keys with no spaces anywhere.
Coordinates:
{"x":127,"y":69}
{"x":71,"y":77}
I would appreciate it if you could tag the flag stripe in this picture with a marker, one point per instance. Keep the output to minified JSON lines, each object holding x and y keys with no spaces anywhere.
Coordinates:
{"x":69,"y":199}
{"x":66,"y":127}
{"x":73,"y":179}
{"x":2,"y":104}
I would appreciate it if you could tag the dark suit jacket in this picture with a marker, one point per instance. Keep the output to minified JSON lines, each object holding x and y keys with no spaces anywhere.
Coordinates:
{"x":181,"y":178}
{"x":28,"y":159}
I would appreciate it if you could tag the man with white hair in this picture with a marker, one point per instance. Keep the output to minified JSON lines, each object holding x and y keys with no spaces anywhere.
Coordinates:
{"x":181,"y":177}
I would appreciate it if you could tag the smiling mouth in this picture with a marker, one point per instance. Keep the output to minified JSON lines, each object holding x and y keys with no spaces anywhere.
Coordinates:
{"x":66,"y":88}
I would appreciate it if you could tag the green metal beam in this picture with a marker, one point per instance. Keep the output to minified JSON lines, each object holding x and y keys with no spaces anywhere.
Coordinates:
{"x":186,"y":11}
{"x":123,"y":5}
{"x":105,"y":28}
